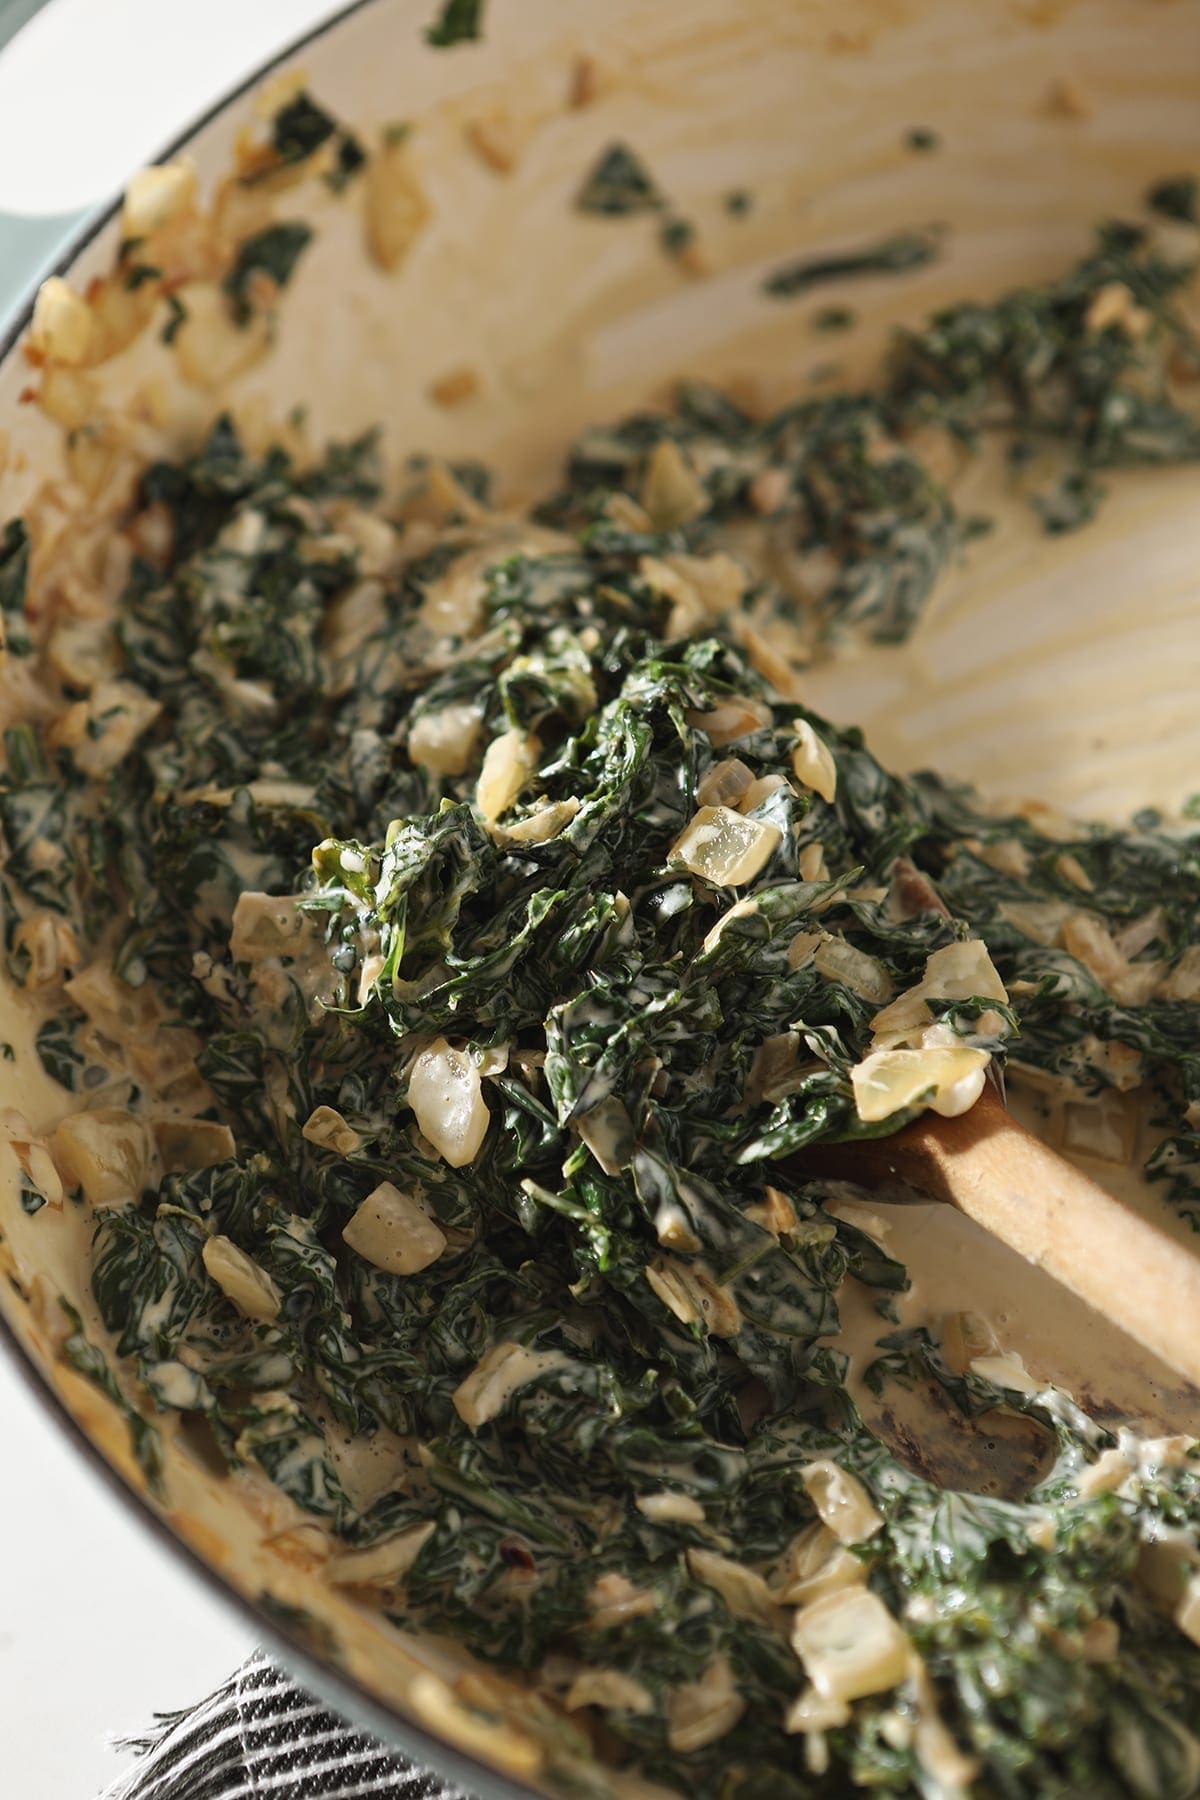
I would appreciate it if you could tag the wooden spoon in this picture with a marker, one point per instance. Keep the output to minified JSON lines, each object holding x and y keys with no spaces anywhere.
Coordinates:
{"x":989,"y":1167}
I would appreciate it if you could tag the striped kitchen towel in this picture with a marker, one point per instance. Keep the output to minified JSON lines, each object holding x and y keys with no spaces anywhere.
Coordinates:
{"x":261,"y":1737}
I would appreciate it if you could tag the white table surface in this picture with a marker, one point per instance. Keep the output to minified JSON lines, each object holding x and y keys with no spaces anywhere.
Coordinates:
{"x":99,"y":1627}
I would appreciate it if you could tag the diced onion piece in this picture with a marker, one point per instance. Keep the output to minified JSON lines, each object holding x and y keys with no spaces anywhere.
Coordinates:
{"x":446,"y":1094}
{"x":948,"y":1081}
{"x":814,"y":1564}
{"x":815,"y":1712}
{"x":812,"y":759}
{"x":268,"y":925}
{"x":326,"y":1127}
{"x":446,"y":741}
{"x":241,"y":1279}
{"x":192,"y":1144}
{"x":743,"y":1590}
{"x":837,"y":960}
{"x":496,"y":1377}
{"x":381,"y":1565}
{"x":63,"y":324}
{"x":670,"y":1509}
{"x":396,"y":209}
{"x":850,"y":1645}
{"x":693,"y":1296}
{"x":672,"y":492}
{"x":392,"y":1232}
{"x":508,"y":762}
{"x":725,"y":783}
{"x":841,"y":1500}
{"x":704,"y":1710}
{"x":723,"y":847}
{"x":610,"y":1689}
{"x":107,"y":1153}
{"x":155,"y":196}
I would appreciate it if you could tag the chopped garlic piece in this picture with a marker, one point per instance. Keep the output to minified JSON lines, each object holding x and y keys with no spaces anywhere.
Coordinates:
{"x":812,"y":759}
{"x":743,"y":1590}
{"x":850,"y":1645}
{"x":966,"y":1335}
{"x":948,"y":1081}
{"x":837,"y":960}
{"x":396,"y":209}
{"x":1105,"y":1475}
{"x":614,"y":1599}
{"x":185,"y":1144}
{"x":1187,"y":1612}
{"x":725,"y":783}
{"x":446,"y":740}
{"x":672,"y":493}
{"x":155,"y":196}
{"x":392,"y":1231}
{"x":326,"y":1127}
{"x":693,"y":1296}
{"x":703,"y":1711}
{"x":841,"y":1500}
{"x":241,"y":1279}
{"x":722,"y":847}
{"x":730,"y":720}
{"x":610,"y":1689}
{"x":496,"y":1377}
{"x":538,"y":827}
{"x":815,"y":1712}
{"x":107,"y":1153}
{"x":63,"y":324}
{"x":816,"y":1563}
{"x":1006,"y":1371}
{"x":446,"y":1094}
{"x":508,"y":762}
{"x":670,"y":1509}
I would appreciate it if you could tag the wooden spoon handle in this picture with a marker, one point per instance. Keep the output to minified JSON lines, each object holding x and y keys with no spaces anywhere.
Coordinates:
{"x":1126,"y":1267}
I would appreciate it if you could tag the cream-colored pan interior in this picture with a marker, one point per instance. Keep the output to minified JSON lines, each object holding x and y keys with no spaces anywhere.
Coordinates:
{"x":1064,"y":668}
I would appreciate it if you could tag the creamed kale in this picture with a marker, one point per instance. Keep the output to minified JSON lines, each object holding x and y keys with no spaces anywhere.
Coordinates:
{"x":457,"y":938}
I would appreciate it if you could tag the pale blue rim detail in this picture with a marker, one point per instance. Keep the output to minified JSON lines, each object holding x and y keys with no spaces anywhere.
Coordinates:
{"x":29,"y":247}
